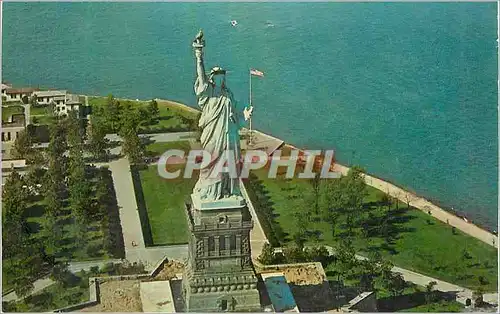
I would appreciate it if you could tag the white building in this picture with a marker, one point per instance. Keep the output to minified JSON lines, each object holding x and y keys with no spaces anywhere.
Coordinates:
{"x":17,"y":94}
{"x":4,"y":89}
{"x":48,"y":96}
{"x":60,"y":99}
{"x":68,"y":103}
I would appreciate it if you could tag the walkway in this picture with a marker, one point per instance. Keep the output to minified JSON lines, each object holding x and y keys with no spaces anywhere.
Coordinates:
{"x":426,"y":206}
{"x":158,"y":137}
{"x":257,"y":236}
{"x":135,"y":248}
{"x":129,"y":213}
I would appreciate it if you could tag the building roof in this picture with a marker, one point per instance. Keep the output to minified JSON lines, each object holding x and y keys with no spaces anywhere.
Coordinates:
{"x":50,"y":93}
{"x":73,"y":100}
{"x":15,"y":120}
{"x":5,"y":86}
{"x":279,"y":292}
{"x":21,"y":90}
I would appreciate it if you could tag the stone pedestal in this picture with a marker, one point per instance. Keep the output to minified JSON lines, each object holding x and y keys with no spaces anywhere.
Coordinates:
{"x":220,"y":276}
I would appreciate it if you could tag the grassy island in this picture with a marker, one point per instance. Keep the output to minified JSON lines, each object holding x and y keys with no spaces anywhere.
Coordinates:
{"x":406,"y":236}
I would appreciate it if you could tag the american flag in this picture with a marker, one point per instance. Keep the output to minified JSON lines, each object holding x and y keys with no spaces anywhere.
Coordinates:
{"x":256,"y":72}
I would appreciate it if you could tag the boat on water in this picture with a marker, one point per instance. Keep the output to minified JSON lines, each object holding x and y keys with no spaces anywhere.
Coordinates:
{"x":234,"y":22}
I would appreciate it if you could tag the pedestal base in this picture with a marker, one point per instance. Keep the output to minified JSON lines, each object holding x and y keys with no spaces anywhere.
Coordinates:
{"x":223,"y":298}
{"x":220,"y":276}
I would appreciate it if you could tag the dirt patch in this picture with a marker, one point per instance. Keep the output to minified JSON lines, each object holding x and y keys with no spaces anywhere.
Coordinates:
{"x":118,"y":296}
{"x":169,"y":271}
{"x":304,"y":275}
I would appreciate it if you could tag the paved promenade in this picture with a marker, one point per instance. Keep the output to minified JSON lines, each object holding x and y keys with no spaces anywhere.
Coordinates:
{"x":426,"y":206}
{"x":129,"y":214}
{"x":257,"y":236}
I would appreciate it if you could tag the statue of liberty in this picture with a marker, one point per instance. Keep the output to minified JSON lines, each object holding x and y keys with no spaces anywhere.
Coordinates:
{"x":220,"y":123}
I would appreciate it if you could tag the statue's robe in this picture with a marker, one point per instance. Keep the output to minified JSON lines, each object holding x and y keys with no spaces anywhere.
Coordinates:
{"x":220,"y":123}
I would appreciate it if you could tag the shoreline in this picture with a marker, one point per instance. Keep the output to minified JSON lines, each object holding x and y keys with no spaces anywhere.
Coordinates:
{"x":419,"y":202}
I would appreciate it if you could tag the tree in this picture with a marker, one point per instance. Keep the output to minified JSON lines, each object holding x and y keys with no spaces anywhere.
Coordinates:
{"x":153,"y":109}
{"x":409,"y":198}
{"x":266,"y":257}
{"x":482,"y":281}
{"x":14,"y":195}
{"x":386,"y":200}
{"x":20,"y":253}
{"x":301,"y":222}
{"x":74,"y":130}
{"x":132,"y":144}
{"x":345,"y":196}
{"x":429,"y":292}
{"x":294,"y":254}
{"x":477,"y":296}
{"x":396,"y":284}
{"x":53,"y":193}
{"x":111,"y":114}
{"x":97,"y":140}
{"x":51,"y":234}
{"x":22,"y":145}
{"x":318,"y":254}
{"x":333,"y":202}
{"x":133,"y":148}
{"x":34,"y":100}
{"x":316,"y":185}
{"x":60,"y":273}
{"x":145,"y":115}
{"x":346,"y":260}
{"x":354,"y":190}
{"x":78,"y":185}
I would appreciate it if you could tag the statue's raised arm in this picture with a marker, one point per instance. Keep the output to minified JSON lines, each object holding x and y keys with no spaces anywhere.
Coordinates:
{"x":198,"y":45}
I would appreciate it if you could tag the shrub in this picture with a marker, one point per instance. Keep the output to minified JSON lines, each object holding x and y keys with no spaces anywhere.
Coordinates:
{"x":94,"y":270}
{"x":108,"y":268}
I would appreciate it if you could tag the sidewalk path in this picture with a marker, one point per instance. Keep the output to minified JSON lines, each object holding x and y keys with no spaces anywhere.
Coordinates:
{"x":75,"y":267}
{"x":129,"y":213}
{"x":158,"y":137}
{"x":38,"y":285}
{"x":426,"y":206}
{"x":257,"y":236}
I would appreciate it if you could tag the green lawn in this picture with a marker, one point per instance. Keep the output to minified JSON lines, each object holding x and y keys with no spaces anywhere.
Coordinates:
{"x":438,"y":307}
{"x":157,"y":149}
{"x":171,"y":119}
{"x":419,"y":242}
{"x":8,"y":111}
{"x":39,"y":111}
{"x":164,"y":205}
{"x":39,"y":120}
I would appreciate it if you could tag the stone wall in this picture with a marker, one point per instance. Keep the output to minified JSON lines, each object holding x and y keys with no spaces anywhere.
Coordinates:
{"x":364,"y":302}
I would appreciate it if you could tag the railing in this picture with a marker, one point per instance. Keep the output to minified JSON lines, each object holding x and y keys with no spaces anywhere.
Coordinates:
{"x":222,"y":226}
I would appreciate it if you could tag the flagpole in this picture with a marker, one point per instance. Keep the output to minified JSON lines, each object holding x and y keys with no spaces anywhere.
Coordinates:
{"x":250,"y":80}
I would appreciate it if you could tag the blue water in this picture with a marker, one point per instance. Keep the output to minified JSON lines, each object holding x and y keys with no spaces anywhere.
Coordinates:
{"x":406,"y":90}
